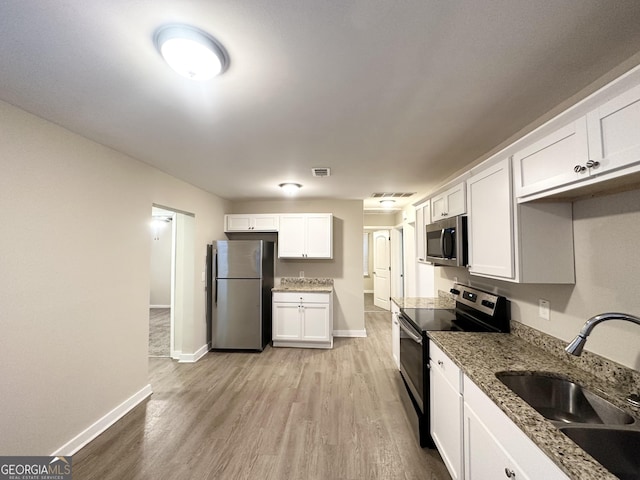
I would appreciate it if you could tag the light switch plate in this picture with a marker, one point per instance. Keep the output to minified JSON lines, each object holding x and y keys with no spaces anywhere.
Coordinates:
{"x":543,"y":309}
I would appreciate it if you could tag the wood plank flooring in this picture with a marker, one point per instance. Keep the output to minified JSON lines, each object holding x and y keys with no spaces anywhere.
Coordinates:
{"x":281,"y":414}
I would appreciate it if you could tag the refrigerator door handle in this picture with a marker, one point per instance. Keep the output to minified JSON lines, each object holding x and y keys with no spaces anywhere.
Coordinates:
{"x":215,"y":278}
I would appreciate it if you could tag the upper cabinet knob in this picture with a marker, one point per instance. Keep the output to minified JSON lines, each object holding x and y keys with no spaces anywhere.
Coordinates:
{"x":593,"y":164}
{"x":579,"y":168}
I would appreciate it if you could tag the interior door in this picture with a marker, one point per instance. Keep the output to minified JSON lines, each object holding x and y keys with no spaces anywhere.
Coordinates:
{"x":381,"y":269}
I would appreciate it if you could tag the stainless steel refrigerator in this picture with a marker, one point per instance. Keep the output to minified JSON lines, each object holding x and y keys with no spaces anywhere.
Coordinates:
{"x":239,"y":283}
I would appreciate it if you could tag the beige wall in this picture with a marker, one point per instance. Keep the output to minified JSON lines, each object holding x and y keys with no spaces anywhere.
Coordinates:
{"x":74,"y":287}
{"x":607,"y":254}
{"x":160,"y":281}
{"x":345,"y":267}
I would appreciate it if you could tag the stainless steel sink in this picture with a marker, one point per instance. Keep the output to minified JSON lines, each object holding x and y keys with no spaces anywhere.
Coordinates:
{"x":616,"y":449}
{"x":563,"y":401}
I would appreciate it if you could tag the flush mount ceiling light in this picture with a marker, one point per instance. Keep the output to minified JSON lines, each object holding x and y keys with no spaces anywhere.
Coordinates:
{"x":290,"y":188}
{"x":191,"y":52}
{"x":387,"y":203}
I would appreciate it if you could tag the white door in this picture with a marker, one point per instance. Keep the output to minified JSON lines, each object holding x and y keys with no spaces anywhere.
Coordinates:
{"x":381,"y":269}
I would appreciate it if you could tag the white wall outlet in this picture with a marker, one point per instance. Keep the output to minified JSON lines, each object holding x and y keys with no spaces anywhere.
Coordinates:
{"x":543,"y":309}
{"x":301,"y":273}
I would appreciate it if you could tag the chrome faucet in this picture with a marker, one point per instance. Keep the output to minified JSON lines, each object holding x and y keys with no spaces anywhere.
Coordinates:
{"x":576,"y":346}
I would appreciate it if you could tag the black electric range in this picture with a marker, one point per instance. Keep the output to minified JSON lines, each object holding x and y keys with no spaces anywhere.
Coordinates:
{"x":475,"y":311}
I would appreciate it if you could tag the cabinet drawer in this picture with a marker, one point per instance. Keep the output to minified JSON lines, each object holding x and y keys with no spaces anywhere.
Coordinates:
{"x":298,"y":297}
{"x":445,"y":365}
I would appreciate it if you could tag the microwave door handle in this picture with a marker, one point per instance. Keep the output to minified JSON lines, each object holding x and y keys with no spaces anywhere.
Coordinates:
{"x":443,"y":252}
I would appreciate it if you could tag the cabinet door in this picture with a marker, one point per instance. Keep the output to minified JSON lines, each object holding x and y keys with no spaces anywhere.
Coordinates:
{"x":614,"y":132}
{"x":438,"y":208}
{"x":286,"y":321}
{"x":291,"y":236}
{"x":484,"y":456}
{"x":550,"y":162}
{"x":315,"y":322}
{"x":446,"y":419}
{"x":490,"y":222}
{"x":265,"y":223}
{"x":237,"y":223}
{"x":319,"y":236}
{"x":456,"y":200}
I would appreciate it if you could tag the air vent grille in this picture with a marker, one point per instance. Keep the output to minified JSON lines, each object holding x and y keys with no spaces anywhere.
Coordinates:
{"x":392,"y":194}
{"x":321,"y":171}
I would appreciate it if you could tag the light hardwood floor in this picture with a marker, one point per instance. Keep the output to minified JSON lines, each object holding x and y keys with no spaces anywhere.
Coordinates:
{"x":281,"y":414}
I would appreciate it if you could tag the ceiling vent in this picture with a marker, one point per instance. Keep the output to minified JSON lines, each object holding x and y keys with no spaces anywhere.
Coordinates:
{"x":392,"y":194}
{"x":321,"y":172}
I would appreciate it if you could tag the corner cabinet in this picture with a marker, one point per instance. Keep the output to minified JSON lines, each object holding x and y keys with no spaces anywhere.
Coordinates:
{"x":261,"y":222}
{"x":524,"y":243}
{"x":306,"y":235}
{"x":302,"y":319}
{"x":445,"y":396}
{"x":494,"y":446}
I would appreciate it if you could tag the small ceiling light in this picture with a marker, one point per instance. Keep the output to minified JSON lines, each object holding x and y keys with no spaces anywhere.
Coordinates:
{"x":290,"y":188}
{"x":387,"y":203}
{"x":191,"y":52}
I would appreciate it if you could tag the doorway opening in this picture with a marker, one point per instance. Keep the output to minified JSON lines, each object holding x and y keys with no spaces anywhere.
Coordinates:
{"x":161,"y":280}
{"x":171,"y":282}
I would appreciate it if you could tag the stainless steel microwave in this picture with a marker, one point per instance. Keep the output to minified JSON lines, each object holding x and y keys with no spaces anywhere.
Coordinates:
{"x":446,"y":242}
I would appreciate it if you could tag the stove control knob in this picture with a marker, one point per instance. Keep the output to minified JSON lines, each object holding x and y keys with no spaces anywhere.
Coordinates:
{"x":488,"y":304}
{"x":455,"y":291}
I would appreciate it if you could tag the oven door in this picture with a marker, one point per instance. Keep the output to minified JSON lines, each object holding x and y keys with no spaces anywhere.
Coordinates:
{"x":412,"y":360}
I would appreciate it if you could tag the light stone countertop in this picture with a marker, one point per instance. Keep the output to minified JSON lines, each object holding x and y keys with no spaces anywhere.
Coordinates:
{"x":482,"y":355}
{"x":296,"y":284}
{"x":444,"y":301}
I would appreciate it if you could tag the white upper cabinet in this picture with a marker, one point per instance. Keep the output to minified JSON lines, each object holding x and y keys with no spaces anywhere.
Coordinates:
{"x":490,"y":217}
{"x":260,"y":222}
{"x":524,"y":243}
{"x":423,"y":214}
{"x":306,"y":235}
{"x":598,"y":146}
{"x":449,"y":203}
{"x":614,"y":132}
{"x":552,"y":161}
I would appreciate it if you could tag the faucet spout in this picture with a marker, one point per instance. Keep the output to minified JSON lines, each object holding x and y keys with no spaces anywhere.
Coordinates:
{"x":577,"y":344}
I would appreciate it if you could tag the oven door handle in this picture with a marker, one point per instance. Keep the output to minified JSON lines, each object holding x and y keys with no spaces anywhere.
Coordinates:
{"x":409,"y":330}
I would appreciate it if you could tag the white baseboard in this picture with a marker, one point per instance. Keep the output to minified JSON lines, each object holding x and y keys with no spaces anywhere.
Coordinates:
{"x":159,"y":306}
{"x":83,"y":438}
{"x":350,"y":333}
{"x":194,"y":357}
{"x":368,"y":291}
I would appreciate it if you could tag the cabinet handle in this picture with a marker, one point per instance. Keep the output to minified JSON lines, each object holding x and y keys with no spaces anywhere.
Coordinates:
{"x":593,"y":164}
{"x":509,"y":473}
{"x":440,"y":362}
{"x":579,"y":168}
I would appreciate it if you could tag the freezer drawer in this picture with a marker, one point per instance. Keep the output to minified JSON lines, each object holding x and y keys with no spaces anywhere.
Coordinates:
{"x":236,"y":321}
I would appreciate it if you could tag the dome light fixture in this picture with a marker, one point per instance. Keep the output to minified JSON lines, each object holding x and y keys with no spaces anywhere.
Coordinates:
{"x":387,"y":203}
{"x":191,"y":52}
{"x":290,"y":188}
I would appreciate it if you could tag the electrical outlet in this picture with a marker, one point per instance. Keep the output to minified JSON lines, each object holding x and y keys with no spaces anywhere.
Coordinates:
{"x":543,"y":309}
{"x":301,"y":273}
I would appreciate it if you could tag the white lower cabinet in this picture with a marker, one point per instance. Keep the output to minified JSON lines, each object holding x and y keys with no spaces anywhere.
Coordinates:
{"x":494,"y":447}
{"x":302,"y":319}
{"x":446,"y":410}
{"x":395,"y":334}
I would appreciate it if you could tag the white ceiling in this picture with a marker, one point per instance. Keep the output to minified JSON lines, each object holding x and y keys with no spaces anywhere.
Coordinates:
{"x":391,"y":95}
